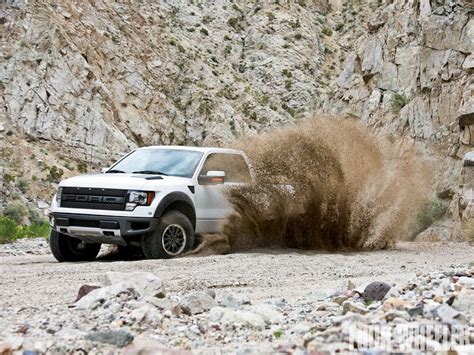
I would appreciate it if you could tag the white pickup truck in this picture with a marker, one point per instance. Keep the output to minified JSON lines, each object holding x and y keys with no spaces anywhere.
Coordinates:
{"x":156,"y":198}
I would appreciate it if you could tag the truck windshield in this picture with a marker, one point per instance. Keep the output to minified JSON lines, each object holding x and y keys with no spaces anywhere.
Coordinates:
{"x":173,"y":162}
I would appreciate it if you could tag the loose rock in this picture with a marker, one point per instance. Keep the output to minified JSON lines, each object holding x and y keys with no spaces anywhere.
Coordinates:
{"x":119,"y":338}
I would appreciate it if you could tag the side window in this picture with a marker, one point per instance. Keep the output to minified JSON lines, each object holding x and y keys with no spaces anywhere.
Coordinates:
{"x":234,"y":166}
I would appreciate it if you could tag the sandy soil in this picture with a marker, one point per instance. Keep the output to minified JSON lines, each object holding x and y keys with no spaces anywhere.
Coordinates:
{"x":29,"y":280}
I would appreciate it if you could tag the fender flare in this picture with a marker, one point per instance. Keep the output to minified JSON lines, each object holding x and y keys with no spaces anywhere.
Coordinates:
{"x":174,"y":197}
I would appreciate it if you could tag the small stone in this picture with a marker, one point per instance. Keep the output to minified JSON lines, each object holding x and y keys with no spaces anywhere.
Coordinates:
{"x":22,"y":329}
{"x":146,"y":314}
{"x":375,"y":291}
{"x":393,"y":314}
{"x":210,"y":292}
{"x":84,"y":290}
{"x":146,"y":283}
{"x":321,"y":313}
{"x":353,"y":307}
{"x":119,"y":338}
{"x":268,"y":313}
{"x":97,"y":297}
{"x":195,"y":303}
{"x":340,"y":299}
{"x":5,"y":349}
{"x":160,"y":303}
{"x":176,"y":310}
{"x":229,"y":300}
{"x":231,"y":316}
{"x":416,"y":311}
{"x":445,"y":313}
{"x":466,"y":281}
{"x":465,"y":301}
{"x":394,"y":302}
{"x":42,"y":205}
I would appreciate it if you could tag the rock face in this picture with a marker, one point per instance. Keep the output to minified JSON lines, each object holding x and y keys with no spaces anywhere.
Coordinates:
{"x":82,"y":83}
{"x":463,"y":201}
{"x":410,"y":76}
{"x":108,"y":77}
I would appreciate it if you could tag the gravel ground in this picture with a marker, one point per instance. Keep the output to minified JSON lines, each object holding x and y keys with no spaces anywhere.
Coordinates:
{"x":37,"y":294}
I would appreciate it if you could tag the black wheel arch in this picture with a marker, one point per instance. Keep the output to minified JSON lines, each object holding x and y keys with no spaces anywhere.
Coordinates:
{"x":177,"y":201}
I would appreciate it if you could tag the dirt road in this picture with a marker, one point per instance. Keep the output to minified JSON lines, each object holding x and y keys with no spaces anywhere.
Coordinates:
{"x":32,"y":280}
{"x":264,"y":299}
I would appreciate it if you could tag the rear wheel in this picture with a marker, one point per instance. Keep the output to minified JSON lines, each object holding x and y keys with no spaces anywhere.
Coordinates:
{"x":173,"y":236}
{"x":65,"y":248}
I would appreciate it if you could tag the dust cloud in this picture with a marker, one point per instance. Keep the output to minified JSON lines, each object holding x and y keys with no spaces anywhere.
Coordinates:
{"x":325,"y":184}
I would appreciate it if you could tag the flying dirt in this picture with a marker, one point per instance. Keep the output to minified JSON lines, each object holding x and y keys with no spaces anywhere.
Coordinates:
{"x":325,"y":184}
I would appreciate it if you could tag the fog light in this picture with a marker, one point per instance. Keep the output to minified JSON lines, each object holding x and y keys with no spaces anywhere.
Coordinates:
{"x":130,"y":206}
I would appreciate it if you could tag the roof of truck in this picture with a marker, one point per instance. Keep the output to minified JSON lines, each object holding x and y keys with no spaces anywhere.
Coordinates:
{"x":197,"y":149}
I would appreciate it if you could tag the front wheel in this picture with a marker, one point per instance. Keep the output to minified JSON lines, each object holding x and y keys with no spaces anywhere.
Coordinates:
{"x":173,"y":236}
{"x":65,"y":248}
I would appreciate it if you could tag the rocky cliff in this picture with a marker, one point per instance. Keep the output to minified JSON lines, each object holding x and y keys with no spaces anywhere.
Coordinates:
{"x":83,"y":82}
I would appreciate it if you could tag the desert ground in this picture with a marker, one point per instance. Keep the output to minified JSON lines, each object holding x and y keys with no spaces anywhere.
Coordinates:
{"x":38,"y":314}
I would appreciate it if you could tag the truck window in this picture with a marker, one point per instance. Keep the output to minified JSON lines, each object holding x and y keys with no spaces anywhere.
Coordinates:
{"x":234,"y":166}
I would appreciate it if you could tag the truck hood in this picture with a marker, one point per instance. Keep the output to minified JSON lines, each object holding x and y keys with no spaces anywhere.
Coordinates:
{"x":124,"y":181}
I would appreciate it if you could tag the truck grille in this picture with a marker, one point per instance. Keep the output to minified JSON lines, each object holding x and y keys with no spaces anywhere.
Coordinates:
{"x":93,"y":198}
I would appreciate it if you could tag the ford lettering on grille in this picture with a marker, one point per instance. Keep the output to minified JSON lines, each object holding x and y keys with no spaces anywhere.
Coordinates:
{"x":93,"y":198}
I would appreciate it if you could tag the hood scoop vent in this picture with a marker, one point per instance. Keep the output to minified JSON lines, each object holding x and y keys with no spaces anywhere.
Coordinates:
{"x":154,"y":177}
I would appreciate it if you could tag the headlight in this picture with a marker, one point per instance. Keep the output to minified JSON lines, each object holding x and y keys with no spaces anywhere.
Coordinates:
{"x":58,"y":196}
{"x":139,"y":198}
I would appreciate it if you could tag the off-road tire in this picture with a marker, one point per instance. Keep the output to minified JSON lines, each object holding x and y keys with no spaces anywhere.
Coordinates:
{"x":172,"y":223}
{"x":65,"y":248}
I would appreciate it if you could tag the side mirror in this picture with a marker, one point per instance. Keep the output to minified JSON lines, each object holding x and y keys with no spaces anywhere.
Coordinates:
{"x":104,"y":170}
{"x":213,"y":177}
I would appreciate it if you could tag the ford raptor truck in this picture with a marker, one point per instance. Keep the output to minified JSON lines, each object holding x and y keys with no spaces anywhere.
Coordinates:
{"x":154,"y":198}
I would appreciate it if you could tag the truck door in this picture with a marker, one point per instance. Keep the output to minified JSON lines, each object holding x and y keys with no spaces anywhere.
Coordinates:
{"x":211,"y":203}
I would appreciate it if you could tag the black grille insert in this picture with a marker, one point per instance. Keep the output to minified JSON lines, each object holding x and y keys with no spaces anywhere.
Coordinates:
{"x":84,"y":223}
{"x":93,"y":198}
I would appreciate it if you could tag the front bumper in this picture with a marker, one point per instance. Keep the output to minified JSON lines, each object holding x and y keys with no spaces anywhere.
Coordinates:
{"x":102,"y":229}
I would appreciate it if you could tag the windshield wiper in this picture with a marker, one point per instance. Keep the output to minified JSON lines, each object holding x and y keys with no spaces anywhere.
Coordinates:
{"x":115,"y":171}
{"x":152,"y":172}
